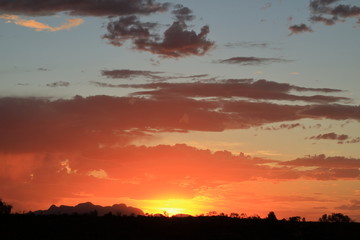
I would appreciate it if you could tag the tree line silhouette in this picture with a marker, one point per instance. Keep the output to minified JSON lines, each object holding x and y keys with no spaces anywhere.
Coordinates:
{"x":212,"y":225}
{"x":5,"y":209}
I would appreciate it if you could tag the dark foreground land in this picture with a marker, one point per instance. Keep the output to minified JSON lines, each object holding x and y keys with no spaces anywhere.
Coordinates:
{"x":116,"y":227}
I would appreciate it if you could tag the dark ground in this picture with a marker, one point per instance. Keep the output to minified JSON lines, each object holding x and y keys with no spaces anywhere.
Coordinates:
{"x":26,"y":227}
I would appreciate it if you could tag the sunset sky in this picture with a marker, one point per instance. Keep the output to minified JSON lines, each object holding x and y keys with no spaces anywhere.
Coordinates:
{"x":245,"y":106}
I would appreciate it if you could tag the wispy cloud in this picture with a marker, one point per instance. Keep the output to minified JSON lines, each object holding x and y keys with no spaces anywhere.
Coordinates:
{"x":58,"y":84}
{"x":130,"y":74}
{"x":247,"y":61}
{"x":247,"y":88}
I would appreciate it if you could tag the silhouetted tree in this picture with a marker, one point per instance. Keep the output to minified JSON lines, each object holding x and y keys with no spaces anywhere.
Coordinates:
{"x":295,"y":219}
{"x":5,"y":208}
{"x":211,"y":213}
{"x":271,"y":216}
{"x":335,"y":217}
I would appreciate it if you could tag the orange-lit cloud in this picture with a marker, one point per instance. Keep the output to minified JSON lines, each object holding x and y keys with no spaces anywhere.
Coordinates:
{"x":38,"y":26}
{"x":171,"y":178}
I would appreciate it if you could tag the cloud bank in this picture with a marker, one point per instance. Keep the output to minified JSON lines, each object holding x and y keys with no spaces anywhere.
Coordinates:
{"x":81,"y":8}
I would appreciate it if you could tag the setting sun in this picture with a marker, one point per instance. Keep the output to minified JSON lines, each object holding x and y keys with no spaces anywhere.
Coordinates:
{"x":172,"y":207}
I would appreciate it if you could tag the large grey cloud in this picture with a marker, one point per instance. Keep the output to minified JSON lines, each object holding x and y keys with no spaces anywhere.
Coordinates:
{"x":81,"y":7}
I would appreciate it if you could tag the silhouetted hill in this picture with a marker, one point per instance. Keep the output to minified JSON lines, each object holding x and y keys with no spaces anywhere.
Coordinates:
{"x":89,"y":208}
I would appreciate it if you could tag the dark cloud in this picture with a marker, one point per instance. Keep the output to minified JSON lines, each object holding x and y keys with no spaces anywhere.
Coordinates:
{"x":127,"y":28}
{"x":182,"y":13}
{"x":327,"y":12}
{"x":252,"y":60}
{"x":330,"y":136}
{"x":323,"y":161}
{"x":337,"y":112}
{"x":324,"y":20}
{"x":301,"y":28}
{"x":129,"y":74}
{"x":58,"y":84}
{"x":34,"y":124}
{"x":248,"y":88}
{"x":341,"y":138}
{"x":31,"y":124}
{"x":102,"y":84}
{"x":177,"y":41}
{"x":81,"y":8}
{"x":284,"y":126}
{"x":149,"y":75}
{"x":354,"y":140}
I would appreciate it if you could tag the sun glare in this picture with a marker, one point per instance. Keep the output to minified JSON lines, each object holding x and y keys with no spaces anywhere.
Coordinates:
{"x":172,"y":207}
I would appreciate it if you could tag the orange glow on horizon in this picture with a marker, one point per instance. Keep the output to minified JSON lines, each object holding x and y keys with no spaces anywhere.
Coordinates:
{"x":173,"y":207}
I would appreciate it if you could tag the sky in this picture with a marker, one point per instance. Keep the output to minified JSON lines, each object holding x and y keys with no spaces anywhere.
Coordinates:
{"x":245,"y":106}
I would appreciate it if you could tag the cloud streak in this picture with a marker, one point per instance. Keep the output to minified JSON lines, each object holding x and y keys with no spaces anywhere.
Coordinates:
{"x":248,"y":88}
{"x":129,"y":74}
{"x":248,"y":61}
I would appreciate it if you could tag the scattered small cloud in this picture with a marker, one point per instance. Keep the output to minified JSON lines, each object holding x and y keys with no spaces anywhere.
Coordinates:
{"x":301,"y":28}
{"x":42,"y":69}
{"x":284,"y":126}
{"x":58,"y":84}
{"x":330,"y":136}
{"x":328,"y":13}
{"x":341,"y":138}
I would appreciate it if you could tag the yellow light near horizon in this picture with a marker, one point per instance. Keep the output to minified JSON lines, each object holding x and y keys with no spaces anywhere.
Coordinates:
{"x":172,"y":207}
